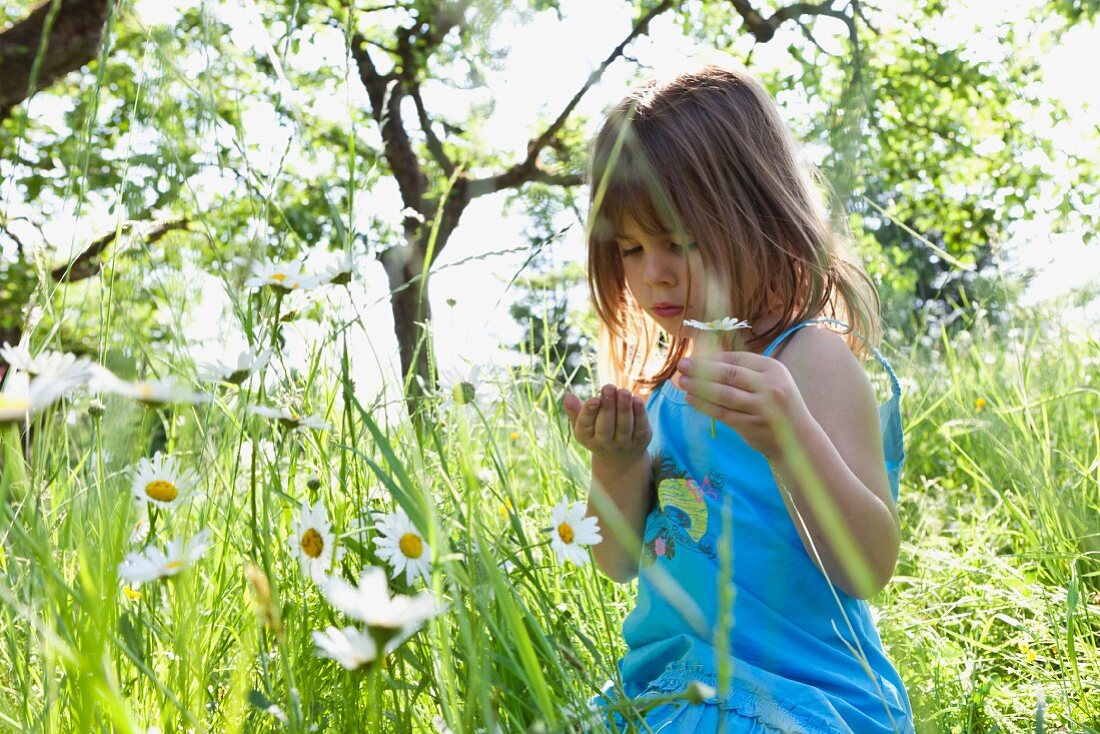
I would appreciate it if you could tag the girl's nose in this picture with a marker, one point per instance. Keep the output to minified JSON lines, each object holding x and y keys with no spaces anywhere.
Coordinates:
{"x":659,"y":270}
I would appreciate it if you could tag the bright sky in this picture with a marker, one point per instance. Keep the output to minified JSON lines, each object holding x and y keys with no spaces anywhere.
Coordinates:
{"x":540,"y":75}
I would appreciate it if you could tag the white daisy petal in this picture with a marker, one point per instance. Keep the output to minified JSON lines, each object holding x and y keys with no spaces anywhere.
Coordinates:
{"x":28,"y":391}
{"x":281,"y":276}
{"x":55,"y":365}
{"x":149,"y":392}
{"x":350,"y":647}
{"x":391,"y":619}
{"x":289,"y":419}
{"x":153,"y":563}
{"x":463,"y":388}
{"x":247,"y":363}
{"x":724,"y":324}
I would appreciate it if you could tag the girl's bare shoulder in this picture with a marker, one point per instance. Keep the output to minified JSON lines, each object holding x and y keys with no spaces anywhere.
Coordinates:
{"x":825,"y":369}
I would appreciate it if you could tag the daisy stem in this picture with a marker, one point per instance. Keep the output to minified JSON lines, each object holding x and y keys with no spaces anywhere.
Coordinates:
{"x":374,"y":683}
{"x":154,"y":513}
{"x":13,"y":470}
{"x":713,"y":431}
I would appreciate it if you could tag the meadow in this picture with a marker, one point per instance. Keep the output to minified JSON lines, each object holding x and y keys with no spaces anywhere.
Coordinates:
{"x":992,"y":617}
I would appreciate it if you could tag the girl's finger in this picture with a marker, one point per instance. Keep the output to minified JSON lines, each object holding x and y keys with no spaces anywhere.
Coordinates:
{"x":642,"y":431}
{"x":732,"y":418}
{"x":725,"y":372}
{"x":734,"y":375}
{"x":605,"y":420}
{"x":586,"y":417}
{"x":718,"y":393}
{"x":748,"y":360}
{"x":572,"y":405}
{"x":624,"y":420}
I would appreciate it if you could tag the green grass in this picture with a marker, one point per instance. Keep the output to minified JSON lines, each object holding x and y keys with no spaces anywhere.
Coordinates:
{"x":995,"y":599}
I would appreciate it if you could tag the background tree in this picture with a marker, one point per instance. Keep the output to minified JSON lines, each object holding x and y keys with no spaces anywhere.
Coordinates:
{"x":923,"y":142}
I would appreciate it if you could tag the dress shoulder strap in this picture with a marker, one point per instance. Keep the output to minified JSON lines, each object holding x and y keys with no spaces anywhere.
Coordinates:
{"x":895,"y":387}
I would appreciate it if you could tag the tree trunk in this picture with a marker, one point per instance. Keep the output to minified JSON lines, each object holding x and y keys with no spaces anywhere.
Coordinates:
{"x":75,"y":38}
{"x":412,"y":312}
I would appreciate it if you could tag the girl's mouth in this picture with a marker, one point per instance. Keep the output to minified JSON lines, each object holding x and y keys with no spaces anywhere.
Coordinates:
{"x":667,"y":311}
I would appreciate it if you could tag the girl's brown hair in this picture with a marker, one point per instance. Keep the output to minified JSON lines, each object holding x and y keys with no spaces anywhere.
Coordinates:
{"x":707,"y":153}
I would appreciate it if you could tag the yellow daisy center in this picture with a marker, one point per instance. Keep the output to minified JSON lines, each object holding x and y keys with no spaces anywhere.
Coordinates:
{"x":161,"y":490}
{"x":9,"y":403}
{"x":565,"y":532}
{"x":278,"y":277}
{"x":312,"y":543}
{"x":174,"y":565}
{"x":411,"y":545}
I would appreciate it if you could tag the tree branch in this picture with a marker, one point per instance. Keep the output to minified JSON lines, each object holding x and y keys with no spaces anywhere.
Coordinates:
{"x":528,"y":169}
{"x":87,"y":263}
{"x":763,"y":29}
{"x":857,"y":6}
{"x":73,"y":34}
{"x":434,"y":144}
{"x":385,"y":95}
{"x":19,"y":246}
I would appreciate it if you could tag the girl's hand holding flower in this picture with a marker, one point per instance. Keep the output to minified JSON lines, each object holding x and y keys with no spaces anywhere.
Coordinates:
{"x":750,"y":393}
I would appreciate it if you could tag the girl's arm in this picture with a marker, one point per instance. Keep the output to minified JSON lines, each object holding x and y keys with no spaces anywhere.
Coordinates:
{"x":820,"y":392}
{"x":615,"y":428}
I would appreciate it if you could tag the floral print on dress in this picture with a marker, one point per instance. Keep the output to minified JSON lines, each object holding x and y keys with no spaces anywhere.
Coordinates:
{"x":679,"y":521}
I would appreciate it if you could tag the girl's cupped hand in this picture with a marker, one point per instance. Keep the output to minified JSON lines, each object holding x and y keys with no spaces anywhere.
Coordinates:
{"x":612,"y":425}
{"x":752,"y":394}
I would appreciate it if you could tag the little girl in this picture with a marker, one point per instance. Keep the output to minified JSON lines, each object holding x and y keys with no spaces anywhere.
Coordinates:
{"x":753,"y":491}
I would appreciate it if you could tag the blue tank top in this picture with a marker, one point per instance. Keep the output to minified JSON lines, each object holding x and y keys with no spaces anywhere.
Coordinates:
{"x":801,"y":656}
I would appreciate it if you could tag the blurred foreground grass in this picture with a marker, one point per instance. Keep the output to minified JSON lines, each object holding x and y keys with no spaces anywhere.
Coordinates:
{"x":993,"y":617}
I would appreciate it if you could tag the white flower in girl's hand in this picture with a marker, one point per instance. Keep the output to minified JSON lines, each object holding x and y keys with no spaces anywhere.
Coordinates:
{"x":727,"y":324}
{"x":571,"y":531}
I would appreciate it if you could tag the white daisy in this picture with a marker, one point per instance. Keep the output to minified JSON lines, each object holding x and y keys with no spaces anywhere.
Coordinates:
{"x":47,"y":364}
{"x":248,"y":363}
{"x":339,"y":273}
{"x":148,"y":392}
{"x":350,"y":647}
{"x":402,"y":545}
{"x":15,"y":400}
{"x":22,"y":396}
{"x":288,"y":419}
{"x":726,"y":324}
{"x":154,"y":563}
{"x":314,"y":542}
{"x":161,"y":482}
{"x":571,"y":531}
{"x":391,"y":620}
{"x":141,"y":526}
{"x":462,"y":387}
{"x":284,"y":277}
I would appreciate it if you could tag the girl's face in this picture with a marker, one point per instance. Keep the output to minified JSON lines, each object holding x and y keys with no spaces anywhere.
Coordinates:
{"x":657,"y":268}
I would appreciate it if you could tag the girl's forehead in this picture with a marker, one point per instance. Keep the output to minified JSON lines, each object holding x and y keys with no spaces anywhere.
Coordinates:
{"x":629,"y":228}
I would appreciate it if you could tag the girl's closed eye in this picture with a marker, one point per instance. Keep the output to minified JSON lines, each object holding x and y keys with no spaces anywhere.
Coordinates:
{"x":628,"y":251}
